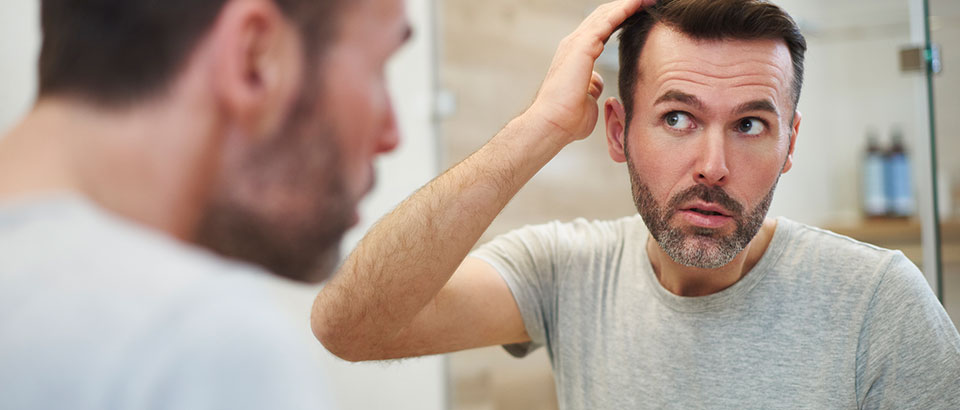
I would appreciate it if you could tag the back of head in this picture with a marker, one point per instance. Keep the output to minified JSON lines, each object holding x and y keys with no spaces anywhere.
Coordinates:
{"x":114,"y":52}
{"x":708,"y":20}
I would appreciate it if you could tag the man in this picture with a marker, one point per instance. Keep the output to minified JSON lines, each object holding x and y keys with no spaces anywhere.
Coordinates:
{"x":698,"y":302}
{"x":163,"y":131}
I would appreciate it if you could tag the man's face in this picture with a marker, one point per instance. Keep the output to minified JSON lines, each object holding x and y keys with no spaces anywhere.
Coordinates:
{"x":286,"y":201}
{"x":712,"y":131}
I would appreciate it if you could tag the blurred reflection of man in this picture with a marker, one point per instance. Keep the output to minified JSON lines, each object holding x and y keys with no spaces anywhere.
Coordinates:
{"x":700,"y":301}
{"x":164,"y":130}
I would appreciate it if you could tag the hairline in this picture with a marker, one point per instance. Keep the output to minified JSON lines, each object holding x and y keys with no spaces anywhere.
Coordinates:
{"x":780,"y":40}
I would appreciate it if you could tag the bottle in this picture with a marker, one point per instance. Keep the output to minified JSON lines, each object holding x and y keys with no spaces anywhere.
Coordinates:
{"x":873,"y":190}
{"x":899,"y":185}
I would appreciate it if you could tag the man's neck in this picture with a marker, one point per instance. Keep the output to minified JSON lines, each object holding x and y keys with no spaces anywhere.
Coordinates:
{"x":688,"y":281}
{"x":137,"y":163}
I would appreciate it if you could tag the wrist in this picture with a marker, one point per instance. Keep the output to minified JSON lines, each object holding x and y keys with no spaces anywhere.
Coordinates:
{"x":538,"y":125}
{"x":533,"y":136}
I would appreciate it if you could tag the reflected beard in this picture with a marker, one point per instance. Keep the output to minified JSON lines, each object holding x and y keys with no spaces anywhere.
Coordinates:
{"x":303,"y":248}
{"x":282,"y":203}
{"x":698,"y":247}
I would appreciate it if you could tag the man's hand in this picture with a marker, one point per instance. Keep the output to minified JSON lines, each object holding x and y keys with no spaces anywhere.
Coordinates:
{"x":567,"y":100}
{"x":408,"y":289}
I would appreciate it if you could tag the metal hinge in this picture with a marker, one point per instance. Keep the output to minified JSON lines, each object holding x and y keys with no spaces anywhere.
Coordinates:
{"x":919,"y":58}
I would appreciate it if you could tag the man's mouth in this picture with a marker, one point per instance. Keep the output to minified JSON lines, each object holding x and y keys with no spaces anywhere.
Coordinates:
{"x":705,"y":215}
{"x":706,"y":212}
{"x":706,"y":209}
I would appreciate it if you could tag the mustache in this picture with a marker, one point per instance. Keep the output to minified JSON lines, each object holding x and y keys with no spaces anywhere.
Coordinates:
{"x":714,"y":195}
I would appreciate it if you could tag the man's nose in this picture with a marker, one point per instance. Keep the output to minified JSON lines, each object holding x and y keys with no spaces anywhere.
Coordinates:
{"x":711,"y":169}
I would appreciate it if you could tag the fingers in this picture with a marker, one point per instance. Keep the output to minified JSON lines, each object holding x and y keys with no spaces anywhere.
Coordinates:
{"x":600,"y":24}
{"x":561,"y":101}
{"x":596,"y":86}
{"x":589,"y":38}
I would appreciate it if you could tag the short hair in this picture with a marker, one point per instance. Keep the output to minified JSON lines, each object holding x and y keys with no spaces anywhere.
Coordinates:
{"x":115,"y":52}
{"x":707,"y":20}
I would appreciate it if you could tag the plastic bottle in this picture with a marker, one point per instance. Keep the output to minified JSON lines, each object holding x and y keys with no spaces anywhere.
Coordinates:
{"x":899,"y":186}
{"x":873,"y":190}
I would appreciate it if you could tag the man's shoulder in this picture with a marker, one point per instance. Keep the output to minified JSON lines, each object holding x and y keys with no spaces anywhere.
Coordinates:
{"x":111,"y":271}
{"x":830,"y":244}
{"x":585,"y":229}
{"x":570,"y":240}
{"x":71,"y":237}
{"x":96,"y":302}
{"x":809,"y":251}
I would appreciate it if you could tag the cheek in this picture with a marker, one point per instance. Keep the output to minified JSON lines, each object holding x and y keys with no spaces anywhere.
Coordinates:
{"x":359,"y":112}
{"x":659,"y":165}
{"x":364,"y":121}
{"x":754,"y":170}
{"x":351,"y":105}
{"x":764,"y":157}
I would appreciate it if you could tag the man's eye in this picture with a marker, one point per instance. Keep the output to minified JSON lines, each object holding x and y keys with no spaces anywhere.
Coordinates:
{"x":751,"y":126}
{"x":678,"y":120}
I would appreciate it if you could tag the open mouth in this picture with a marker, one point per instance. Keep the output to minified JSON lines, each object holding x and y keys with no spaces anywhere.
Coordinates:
{"x":705,"y":212}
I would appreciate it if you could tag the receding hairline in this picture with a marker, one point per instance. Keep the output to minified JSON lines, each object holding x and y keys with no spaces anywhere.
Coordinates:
{"x":785,"y":59}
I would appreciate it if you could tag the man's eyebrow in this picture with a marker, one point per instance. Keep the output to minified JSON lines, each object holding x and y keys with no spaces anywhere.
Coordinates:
{"x":757,"y":105}
{"x":407,"y":34}
{"x":680,"y":97}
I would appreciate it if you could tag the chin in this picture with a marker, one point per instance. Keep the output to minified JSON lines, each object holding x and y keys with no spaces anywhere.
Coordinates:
{"x":304,"y":249}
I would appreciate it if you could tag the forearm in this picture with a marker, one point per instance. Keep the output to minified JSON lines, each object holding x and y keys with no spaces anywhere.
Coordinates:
{"x":405,"y":260}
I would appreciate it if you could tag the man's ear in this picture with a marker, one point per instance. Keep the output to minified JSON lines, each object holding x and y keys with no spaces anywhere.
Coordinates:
{"x":616,"y":128}
{"x":258,"y":64}
{"x":794,"y":130}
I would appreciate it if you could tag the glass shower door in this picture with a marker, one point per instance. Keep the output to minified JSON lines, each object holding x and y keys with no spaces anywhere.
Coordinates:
{"x":942,"y":56}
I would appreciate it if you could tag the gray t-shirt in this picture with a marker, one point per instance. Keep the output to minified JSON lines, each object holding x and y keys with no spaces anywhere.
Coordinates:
{"x":98,"y":313}
{"x":821,"y":322}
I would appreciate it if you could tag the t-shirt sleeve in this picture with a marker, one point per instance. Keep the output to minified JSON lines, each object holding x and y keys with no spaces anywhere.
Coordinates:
{"x":527,"y":259}
{"x":909,"y":351}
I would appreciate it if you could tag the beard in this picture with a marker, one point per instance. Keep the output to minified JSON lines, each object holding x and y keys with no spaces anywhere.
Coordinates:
{"x":282,"y":203}
{"x":697,"y":247}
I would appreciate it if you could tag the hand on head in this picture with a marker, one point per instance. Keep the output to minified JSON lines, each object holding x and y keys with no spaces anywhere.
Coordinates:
{"x":567,"y":100}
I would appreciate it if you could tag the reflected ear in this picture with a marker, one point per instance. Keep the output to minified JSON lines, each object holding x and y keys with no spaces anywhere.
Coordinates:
{"x":794,"y":130}
{"x":257,"y":65}
{"x":616,"y":128}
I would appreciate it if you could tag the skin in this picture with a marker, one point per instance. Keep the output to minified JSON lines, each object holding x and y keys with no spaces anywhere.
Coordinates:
{"x":162,"y":161}
{"x":712,"y":84}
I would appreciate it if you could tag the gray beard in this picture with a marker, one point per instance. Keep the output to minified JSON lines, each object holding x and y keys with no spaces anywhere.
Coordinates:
{"x":703,"y":248}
